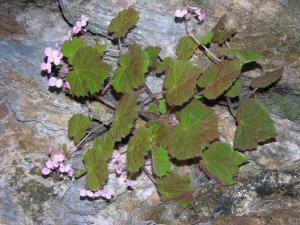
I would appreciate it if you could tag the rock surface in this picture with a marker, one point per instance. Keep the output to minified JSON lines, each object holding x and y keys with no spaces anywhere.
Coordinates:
{"x":32,"y":118}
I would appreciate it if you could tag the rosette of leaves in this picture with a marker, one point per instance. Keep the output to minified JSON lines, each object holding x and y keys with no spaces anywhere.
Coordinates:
{"x":179,"y":123}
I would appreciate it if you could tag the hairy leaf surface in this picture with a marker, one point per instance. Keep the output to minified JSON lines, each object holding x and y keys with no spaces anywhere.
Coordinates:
{"x":217,"y":78}
{"x":138,"y":147}
{"x":180,"y":81}
{"x":131,"y":73}
{"x":222,"y":162}
{"x":100,"y":48}
{"x":126,"y":114}
{"x":173,"y":187}
{"x":198,"y":127}
{"x":125,"y":20}
{"x":161,"y":163}
{"x":104,"y":146}
{"x":96,"y":167}
{"x":243,"y":56}
{"x":235,"y":89}
{"x":89,"y":72}
{"x":69,"y":48}
{"x":77,"y":126}
{"x":186,"y":48}
{"x":267,"y":79}
{"x":254,"y":125}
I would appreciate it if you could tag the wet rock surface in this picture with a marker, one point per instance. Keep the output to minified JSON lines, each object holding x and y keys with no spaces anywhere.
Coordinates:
{"x":32,"y":118}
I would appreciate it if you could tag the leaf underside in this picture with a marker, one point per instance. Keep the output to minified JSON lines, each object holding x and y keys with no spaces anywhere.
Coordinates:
{"x":254,"y":125}
{"x":173,"y":186}
{"x":267,"y":79}
{"x":198,"y":127}
{"x":125,"y":20}
{"x":131,"y":73}
{"x":126,"y":114}
{"x":217,"y":78}
{"x":77,"y":126}
{"x":138,"y":147}
{"x":222,"y":162}
{"x":180,"y":81}
{"x":186,"y":48}
{"x":89,"y":72}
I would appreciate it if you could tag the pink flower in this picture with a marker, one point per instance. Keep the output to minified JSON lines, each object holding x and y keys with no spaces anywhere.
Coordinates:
{"x":46,"y":171}
{"x":59,"y":83}
{"x":68,"y":36}
{"x":68,"y":168}
{"x":181,"y":13}
{"x":201,"y":14}
{"x":59,"y":158}
{"x":48,"y":51}
{"x":46,"y":66}
{"x":49,"y":164}
{"x":49,"y":150}
{"x":52,"y":81}
{"x":76,"y":29}
{"x":90,"y":194}
{"x":71,"y":173}
{"x":62,"y":168}
{"x":130,"y":183}
{"x":66,"y":85}
{"x":83,"y":193}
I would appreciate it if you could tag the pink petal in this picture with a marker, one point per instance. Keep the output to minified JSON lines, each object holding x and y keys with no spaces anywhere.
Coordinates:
{"x":52,"y":81}
{"x":43,"y":66}
{"x":62,"y":169}
{"x":83,"y":193}
{"x":46,"y":171}
{"x":67,"y":85}
{"x":48,"y":51}
{"x":71,"y":173}
{"x":49,"y":164}
{"x":49,"y":150}
{"x":59,"y":83}
{"x":67,"y":168}
{"x":130,"y":183}
{"x":58,"y":158}
{"x":90,"y":194}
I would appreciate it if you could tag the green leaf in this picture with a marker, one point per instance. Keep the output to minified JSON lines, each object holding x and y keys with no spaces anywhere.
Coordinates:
{"x":138,"y":147}
{"x":267,"y":79}
{"x":197,"y":128}
{"x":243,"y":56}
{"x":221,"y":33}
{"x":133,"y":66}
{"x":165,"y":65}
{"x":180,"y":81}
{"x":80,"y":173}
{"x":207,"y":39}
{"x":100,"y":48}
{"x":104,"y":146}
{"x":254,"y":125}
{"x":160,"y":133}
{"x":222,"y":162}
{"x":89,"y":72}
{"x":186,"y":48}
{"x":153,"y":53}
{"x":161,"y":163}
{"x":69,"y":48}
{"x":235,"y":89}
{"x":77,"y":126}
{"x":173,"y":187}
{"x":96,"y":167}
{"x":217,"y":78}
{"x":163,"y":106}
{"x":125,"y":20}
{"x":126,"y":113}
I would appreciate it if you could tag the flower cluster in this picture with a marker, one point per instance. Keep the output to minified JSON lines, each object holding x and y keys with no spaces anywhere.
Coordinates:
{"x":78,"y":28}
{"x":54,"y":56}
{"x":57,"y":164}
{"x":189,"y":12}
{"x":105,"y":193}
